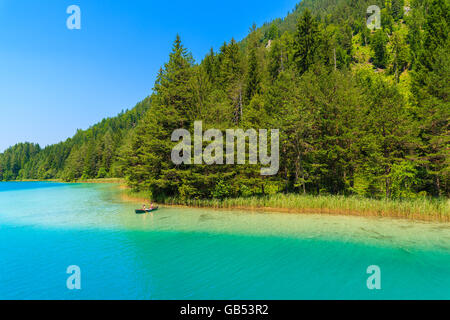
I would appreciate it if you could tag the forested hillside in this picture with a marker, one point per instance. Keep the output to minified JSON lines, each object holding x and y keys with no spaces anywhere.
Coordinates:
{"x":93,"y":153}
{"x":359,"y":111}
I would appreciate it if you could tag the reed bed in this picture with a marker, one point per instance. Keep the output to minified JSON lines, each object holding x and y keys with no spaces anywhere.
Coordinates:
{"x":101,"y":180}
{"x":129,"y":195}
{"x":427,"y":209}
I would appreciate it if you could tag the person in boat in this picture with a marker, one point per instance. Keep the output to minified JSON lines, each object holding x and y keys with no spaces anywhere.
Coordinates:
{"x":151,"y":206}
{"x":144,"y":207}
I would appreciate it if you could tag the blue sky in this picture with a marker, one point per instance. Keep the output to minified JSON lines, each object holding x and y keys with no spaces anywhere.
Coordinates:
{"x":54,"y":80}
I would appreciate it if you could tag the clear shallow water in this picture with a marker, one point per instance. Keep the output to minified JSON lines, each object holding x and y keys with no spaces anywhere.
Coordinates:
{"x":205,"y":254}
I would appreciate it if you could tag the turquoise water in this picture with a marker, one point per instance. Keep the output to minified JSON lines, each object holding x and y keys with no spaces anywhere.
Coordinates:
{"x":206,"y":254}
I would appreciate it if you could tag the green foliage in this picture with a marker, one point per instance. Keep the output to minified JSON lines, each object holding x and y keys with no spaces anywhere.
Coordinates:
{"x":222,"y":190}
{"x":307,"y":41}
{"x":273,"y":33}
{"x":102,"y":173}
{"x":404,"y":177}
{"x":399,"y":54}
{"x":431,"y":89}
{"x":397,"y":9}
{"x":253,"y":79}
{"x":378,"y":44}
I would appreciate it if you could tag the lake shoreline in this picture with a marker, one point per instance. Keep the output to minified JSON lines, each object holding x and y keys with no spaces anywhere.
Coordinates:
{"x":326,"y":211}
{"x":100,"y":180}
{"x":421,"y":209}
{"x":328,"y":205}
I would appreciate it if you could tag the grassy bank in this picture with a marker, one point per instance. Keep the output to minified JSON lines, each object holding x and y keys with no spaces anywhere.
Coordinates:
{"x":418,"y":209}
{"x":128,"y":195}
{"x":426,"y":209}
{"x":102,"y":180}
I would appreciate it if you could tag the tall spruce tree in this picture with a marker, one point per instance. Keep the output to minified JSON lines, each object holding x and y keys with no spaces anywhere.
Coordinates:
{"x":307,"y":40}
{"x":253,"y":78}
{"x":172,"y":108}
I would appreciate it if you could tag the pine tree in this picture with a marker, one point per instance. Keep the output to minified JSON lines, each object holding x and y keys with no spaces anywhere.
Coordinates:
{"x":399,"y":53}
{"x":210,"y":65}
{"x":230,"y":66}
{"x":306,"y":42}
{"x":378,"y":44}
{"x":253,"y":79}
{"x":274,"y":32}
{"x":173,"y":107}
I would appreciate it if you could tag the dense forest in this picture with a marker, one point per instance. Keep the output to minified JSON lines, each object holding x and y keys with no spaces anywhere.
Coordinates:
{"x":360,"y":111}
{"x":93,"y":153}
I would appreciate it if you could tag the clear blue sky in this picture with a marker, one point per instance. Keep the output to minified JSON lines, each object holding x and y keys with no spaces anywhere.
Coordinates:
{"x":54,"y":80}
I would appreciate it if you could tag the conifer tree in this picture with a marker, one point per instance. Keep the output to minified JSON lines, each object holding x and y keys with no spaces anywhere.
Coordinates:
{"x":172,"y":108}
{"x":307,"y":41}
{"x":378,"y":44}
{"x":253,"y":80}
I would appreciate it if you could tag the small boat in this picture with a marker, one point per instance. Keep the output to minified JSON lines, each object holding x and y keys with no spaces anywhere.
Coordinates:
{"x":140,"y":211}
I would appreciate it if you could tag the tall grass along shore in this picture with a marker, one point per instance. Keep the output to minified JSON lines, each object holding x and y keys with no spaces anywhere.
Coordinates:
{"x":426,"y":209}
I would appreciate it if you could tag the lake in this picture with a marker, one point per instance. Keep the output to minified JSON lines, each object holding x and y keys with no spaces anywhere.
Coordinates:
{"x":181,"y":253}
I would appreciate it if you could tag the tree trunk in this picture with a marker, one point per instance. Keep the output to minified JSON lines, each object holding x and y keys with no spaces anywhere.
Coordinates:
{"x":299,"y":169}
{"x":388,"y":183}
{"x":238,"y":112}
{"x":438,"y":185}
{"x":334,"y":53}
